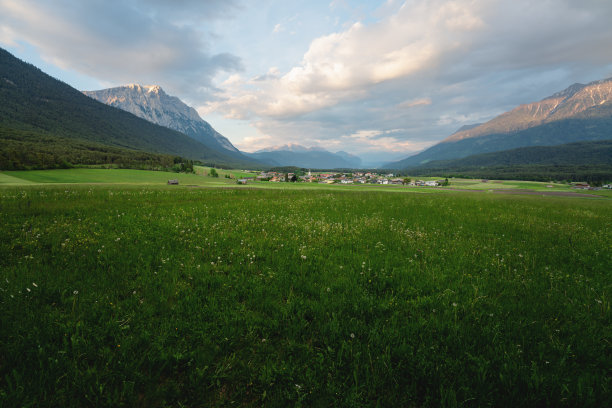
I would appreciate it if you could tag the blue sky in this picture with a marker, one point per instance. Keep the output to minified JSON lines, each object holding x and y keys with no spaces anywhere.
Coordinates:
{"x":378,"y":79}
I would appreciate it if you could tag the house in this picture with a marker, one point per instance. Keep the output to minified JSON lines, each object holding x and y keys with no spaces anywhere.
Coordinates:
{"x":431,"y":183}
{"x":173,"y":182}
{"x":581,"y":186}
{"x":243,"y":180}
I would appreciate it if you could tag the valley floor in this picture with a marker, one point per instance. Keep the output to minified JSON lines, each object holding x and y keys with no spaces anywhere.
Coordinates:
{"x":228,"y":178}
{"x":143,"y":294}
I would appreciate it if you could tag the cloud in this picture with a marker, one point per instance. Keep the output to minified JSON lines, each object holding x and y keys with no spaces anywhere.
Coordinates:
{"x":150,"y":41}
{"x":414,"y":103}
{"x":426,"y":67}
{"x":382,"y":141}
{"x":341,"y":66}
{"x":457,"y":61}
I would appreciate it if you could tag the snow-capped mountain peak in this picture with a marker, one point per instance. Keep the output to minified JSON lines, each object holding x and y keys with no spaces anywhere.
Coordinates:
{"x":150,"y":102}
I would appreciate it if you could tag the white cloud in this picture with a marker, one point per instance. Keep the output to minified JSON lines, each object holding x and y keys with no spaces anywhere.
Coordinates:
{"x":380,"y":140}
{"x":412,"y":103}
{"x":343,"y":65}
{"x":145,"y":41}
{"x":475,"y":58}
{"x":423,"y":66}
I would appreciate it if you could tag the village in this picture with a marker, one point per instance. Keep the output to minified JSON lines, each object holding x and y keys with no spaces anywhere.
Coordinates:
{"x":341,"y":178}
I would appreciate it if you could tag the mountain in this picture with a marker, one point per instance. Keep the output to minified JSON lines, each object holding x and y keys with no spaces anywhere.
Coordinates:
{"x":153,"y":104}
{"x":306,"y":157}
{"x":578,"y":113}
{"x":579,"y":153}
{"x":578,"y":161}
{"x":38,"y":111}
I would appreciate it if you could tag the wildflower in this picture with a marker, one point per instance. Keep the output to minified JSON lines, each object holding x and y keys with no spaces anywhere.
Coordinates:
{"x":303,"y":256}
{"x":352,"y":335}
{"x":34,"y":284}
{"x":28,"y":289}
{"x":76,"y":292}
{"x":454,"y":304}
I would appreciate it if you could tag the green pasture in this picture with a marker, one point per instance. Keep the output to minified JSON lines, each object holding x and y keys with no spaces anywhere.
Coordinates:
{"x":202,"y":178}
{"x":107,"y":176}
{"x":476,"y":184}
{"x":136,"y":295}
{"x":8,"y":179}
{"x":236,"y":174}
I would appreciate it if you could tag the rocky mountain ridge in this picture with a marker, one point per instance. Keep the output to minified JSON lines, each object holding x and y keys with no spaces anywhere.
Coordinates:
{"x":578,"y":113}
{"x":151,"y":103}
{"x":571,"y":101}
{"x":45,"y":122}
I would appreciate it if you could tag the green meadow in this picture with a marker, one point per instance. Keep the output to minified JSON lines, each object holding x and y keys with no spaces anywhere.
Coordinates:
{"x":106,"y":176}
{"x":135,"y":293}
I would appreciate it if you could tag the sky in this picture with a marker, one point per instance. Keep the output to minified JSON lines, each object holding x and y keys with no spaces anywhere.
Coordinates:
{"x":379,"y":79}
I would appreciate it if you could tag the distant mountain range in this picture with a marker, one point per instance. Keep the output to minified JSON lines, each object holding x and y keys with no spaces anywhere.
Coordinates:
{"x":578,"y":113}
{"x":580,"y":161}
{"x":44,"y":121}
{"x":153,"y":104}
{"x":305,"y":157}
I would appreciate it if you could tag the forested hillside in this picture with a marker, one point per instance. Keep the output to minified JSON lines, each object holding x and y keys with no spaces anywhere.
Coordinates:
{"x":41,"y":116}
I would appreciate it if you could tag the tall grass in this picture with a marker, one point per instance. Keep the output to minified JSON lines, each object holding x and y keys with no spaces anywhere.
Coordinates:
{"x":138,"y":296}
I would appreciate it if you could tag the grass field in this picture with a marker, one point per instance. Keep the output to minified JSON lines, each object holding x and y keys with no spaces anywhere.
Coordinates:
{"x":144,"y":177}
{"x":159,"y":296}
{"x":107,"y":176}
